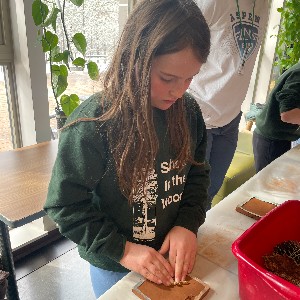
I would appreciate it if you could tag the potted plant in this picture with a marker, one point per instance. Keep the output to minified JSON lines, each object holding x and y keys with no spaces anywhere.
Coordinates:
{"x":48,"y":15}
{"x":288,"y":38}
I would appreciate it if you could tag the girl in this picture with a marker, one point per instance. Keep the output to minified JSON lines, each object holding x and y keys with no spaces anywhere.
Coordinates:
{"x":129,"y":184}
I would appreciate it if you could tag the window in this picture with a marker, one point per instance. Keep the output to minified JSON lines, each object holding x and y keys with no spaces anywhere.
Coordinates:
{"x":9,"y":138}
{"x":9,"y":125}
{"x":101,"y":25}
{"x":34,"y":101}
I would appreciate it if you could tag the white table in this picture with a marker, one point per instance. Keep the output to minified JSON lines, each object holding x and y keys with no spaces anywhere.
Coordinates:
{"x":215,"y":264}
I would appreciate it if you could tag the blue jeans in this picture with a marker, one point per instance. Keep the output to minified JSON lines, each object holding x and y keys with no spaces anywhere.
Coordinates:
{"x":266,"y":150}
{"x":221,"y":145}
{"x":103,"y":280}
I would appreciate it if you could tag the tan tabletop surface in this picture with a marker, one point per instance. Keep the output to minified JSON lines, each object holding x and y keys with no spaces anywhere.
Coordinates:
{"x":215,"y":263}
{"x":24,"y":179}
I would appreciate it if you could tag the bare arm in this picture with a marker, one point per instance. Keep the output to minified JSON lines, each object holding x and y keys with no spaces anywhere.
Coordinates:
{"x":291,"y":116}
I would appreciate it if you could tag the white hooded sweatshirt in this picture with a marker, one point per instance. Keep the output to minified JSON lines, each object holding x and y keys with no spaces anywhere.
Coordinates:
{"x":219,"y":88}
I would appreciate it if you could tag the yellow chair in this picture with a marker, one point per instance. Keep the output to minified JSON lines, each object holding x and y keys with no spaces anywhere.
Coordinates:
{"x":241,"y":168}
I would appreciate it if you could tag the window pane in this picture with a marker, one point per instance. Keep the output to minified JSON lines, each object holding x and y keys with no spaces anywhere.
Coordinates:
{"x":101,"y":26}
{"x":5,"y":124}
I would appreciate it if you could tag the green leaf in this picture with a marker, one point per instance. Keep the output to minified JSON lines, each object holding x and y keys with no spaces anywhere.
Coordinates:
{"x":58,"y":57}
{"x":93,"y":70}
{"x":55,"y":51}
{"x":77,"y":2}
{"x":61,"y":85}
{"x":49,"y":41}
{"x":80,"y":42}
{"x":52,"y":18}
{"x":55,"y":70}
{"x":64,"y":103}
{"x":79,"y":62}
{"x":66,"y":55}
{"x":45,"y":45}
{"x":288,"y":36}
{"x":63,"y":70}
{"x":39,"y":12}
{"x":69,"y":103}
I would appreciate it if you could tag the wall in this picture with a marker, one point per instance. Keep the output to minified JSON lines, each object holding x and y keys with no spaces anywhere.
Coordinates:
{"x":261,"y":76}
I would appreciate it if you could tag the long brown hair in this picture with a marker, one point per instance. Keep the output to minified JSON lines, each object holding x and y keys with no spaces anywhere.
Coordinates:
{"x":155,"y":27}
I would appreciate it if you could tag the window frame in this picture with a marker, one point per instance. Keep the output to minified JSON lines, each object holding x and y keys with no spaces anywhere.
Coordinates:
{"x":7,"y":62}
{"x":13,"y":109}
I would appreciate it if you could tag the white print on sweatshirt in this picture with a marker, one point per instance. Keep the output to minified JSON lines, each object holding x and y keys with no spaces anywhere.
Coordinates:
{"x":218,"y":88}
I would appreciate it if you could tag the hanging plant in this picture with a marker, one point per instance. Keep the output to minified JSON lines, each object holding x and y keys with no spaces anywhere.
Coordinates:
{"x":288,"y":38}
{"x":48,"y":15}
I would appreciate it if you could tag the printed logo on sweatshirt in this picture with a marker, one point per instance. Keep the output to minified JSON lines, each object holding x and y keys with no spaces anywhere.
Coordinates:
{"x":144,"y":209}
{"x":246,"y":35}
{"x":145,"y":200}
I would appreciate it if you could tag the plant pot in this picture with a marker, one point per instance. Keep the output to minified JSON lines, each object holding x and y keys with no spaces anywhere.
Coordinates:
{"x":60,"y":118}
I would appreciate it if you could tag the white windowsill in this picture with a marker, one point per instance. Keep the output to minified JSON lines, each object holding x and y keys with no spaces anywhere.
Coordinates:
{"x":27,"y":233}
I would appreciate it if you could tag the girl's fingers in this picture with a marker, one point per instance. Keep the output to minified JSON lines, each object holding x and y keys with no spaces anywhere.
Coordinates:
{"x":183,"y":266}
{"x":167,"y":266}
{"x":185,"y":270}
{"x":192,"y":263}
{"x":158,"y":274}
{"x":188,"y":267}
{"x":179,"y":267}
{"x":172,"y":258}
{"x":150,"y":276}
{"x":159,"y":270}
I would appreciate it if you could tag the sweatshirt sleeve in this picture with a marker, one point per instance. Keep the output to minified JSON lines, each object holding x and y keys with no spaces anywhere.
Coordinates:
{"x":194,"y":202}
{"x":289,"y":95}
{"x":78,"y":169}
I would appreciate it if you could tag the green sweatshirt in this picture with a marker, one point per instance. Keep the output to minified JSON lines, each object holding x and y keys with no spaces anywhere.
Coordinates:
{"x":85,"y":201}
{"x":284,"y":97}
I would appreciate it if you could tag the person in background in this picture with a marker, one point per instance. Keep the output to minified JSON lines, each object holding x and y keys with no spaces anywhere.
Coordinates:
{"x":237,"y":28}
{"x":130,"y":180}
{"x":278,"y":124}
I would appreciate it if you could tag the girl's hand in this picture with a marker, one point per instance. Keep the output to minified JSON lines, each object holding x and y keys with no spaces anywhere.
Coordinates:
{"x":147,"y":262}
{"x":182,"y":246}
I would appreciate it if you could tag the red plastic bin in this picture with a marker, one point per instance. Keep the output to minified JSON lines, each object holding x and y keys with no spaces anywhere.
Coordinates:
{"x":255,"y":282}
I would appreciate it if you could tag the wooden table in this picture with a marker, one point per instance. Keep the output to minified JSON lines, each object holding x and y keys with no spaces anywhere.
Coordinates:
{"x":24,"y":179}
{"x":215,"y":263}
